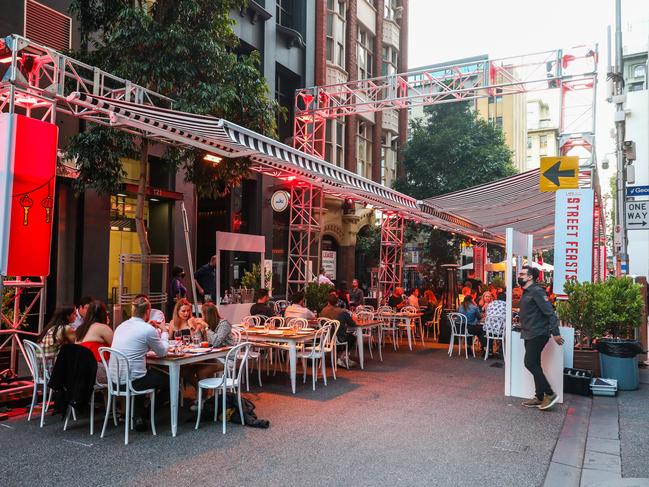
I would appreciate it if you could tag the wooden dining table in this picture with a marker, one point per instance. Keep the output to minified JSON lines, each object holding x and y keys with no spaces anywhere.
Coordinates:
{"x":173,"y":362}
{"x":288,"y":337}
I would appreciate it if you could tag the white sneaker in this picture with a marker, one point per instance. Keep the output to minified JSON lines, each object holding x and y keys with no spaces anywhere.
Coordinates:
{"x":194,"y":407}
{"x":352,"y":363}
{"x":342,"y":363}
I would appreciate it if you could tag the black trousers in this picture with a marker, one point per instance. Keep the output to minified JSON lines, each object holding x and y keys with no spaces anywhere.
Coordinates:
{"x":533,"y":349}
{"x":154,"y":379}
{"x":479,"y":332}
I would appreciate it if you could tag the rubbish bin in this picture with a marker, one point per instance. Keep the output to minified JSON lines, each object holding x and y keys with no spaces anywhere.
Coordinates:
{"x":619,"y":361}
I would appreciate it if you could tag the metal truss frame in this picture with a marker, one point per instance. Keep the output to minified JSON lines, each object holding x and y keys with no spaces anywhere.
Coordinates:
{"x":574,"y":72}
{"x":11,"y":334}
{"x":304,"y":236}
{"x":391,"y":261}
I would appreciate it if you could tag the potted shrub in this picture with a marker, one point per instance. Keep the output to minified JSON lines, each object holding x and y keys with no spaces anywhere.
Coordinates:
{"x":316,"y":295}
{"x":621,"y":313}
{"x":251,"y":280}
{"x":582,"y":310}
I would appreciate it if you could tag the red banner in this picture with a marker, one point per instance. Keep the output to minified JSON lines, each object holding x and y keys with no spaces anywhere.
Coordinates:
{"x":29,"y":164}
{"x":480,"y":262}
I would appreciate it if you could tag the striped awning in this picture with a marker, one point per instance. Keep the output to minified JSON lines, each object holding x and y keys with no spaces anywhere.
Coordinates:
{"x":268,"y":156}
{"x":514,"y":202}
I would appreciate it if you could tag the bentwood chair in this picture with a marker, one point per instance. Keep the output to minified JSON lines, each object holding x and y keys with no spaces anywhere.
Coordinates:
{"x":459,"y":330}
{"x":235,"y":362}
{"x":40,"y":377}
{"x":123,"y":387}
{"x":331,"y":344}
{"x":315,"y":353}
{"x":494,"y":334}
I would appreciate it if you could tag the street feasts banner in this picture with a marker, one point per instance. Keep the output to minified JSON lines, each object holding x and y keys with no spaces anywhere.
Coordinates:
{"x":573,"y":237}
{"x":27,"y":182}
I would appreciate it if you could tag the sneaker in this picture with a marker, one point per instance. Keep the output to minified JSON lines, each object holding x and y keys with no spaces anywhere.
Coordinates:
{"x":194,"y":407}
{"x":548,"y":401}
{"x":352,"y":363}
{"x":532,"y":403}
{"x":342,"y":363}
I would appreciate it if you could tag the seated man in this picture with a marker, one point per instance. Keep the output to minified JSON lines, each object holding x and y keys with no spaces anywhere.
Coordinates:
{"x":355,"y":294}
{"x":396,"y":300}
{"x":333,"y":312}
{"x":134,"y":338}
{"x":261,"y":306}
{"x":297,"y":309}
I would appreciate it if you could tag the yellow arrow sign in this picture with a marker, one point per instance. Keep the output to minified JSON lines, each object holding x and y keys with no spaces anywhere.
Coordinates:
{"x":561,"y":172}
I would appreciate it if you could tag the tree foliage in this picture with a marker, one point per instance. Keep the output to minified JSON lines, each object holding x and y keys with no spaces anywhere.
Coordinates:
{"x":451,"y":149}
{"x":183,"y":49}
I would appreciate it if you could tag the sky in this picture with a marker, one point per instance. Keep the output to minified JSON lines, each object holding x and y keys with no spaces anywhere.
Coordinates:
{"x":444,"y":31}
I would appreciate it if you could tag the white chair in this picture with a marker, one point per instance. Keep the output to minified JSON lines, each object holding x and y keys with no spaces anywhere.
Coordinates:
{"x":434,"y":323}
{"x":459,"y":330}
{"x":367,"y":333}
{"x":389,"y":324}
{"x":301,"y":322}
{"x":411,"y":323}
{"x":71,"y":411}
{"x":331,"y":343}
{"x":274,"y":321}
{"x":253,"y":354}
{"x":123,"y":388}
{"x":230,"y":380}
{"x":364,"y":307}
{"x":40,"y":376}
{"x":494,"y":335}
{"x":314,"y":353}
{"x":279,"y":306}
{"x":253,"y":320}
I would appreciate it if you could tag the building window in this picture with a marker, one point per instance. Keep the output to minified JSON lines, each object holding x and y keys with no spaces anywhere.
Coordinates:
{"x":543,"y":141}
{"x":365,"y":56}
{"x":336,"y":32}
{"x":529,"y":142}
{"x":499,"y":122}
{"x":639,"y":70}
{"x":285,"y":10}
{"x":390,"y":10}
{"x":389,"y":61}
{"x":335,"y":142}
{"x":364,"y":150}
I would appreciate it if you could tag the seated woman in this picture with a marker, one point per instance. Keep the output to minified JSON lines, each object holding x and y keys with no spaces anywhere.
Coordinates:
{"x":218,"y":333}
{"x":485,"y":300}
{"x":219,"y":330}
{"x":57,"y":333}
{"x":182,"y":323}
{"x":94,"y":333}
{"x":469,"y":309}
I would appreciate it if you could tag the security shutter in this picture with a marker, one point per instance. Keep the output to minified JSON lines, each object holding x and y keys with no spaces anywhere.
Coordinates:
{"x":46,"y":26}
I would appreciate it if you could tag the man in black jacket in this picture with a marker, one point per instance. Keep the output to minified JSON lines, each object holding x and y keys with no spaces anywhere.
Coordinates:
{"x":538,"y":322}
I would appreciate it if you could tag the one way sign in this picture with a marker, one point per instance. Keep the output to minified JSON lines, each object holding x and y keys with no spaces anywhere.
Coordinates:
{"x":637,"y":215}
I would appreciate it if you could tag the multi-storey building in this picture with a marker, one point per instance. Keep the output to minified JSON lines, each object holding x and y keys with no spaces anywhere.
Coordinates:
{"x":542,"y":133}
{"x":359,"y":39}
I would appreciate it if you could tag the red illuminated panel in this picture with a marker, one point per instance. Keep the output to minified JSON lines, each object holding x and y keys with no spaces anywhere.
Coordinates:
{"x":32,"y":197}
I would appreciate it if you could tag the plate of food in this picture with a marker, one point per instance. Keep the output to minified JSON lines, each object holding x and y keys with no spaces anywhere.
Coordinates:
{"x":199,"y":350}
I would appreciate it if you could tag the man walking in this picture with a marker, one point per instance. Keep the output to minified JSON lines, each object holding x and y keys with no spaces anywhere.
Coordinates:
{"x":206,"y":280}
{"x":538,"y":322}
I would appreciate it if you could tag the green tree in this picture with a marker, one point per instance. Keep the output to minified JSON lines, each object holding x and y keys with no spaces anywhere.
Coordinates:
{"x":185,"y":50}
{"x":451,"y":148}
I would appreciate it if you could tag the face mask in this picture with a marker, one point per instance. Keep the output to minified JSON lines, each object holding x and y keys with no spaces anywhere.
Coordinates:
{"x":521,"y":281}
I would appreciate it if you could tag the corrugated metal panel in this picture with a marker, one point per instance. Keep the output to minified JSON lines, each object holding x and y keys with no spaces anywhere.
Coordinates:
{"x":46,"y":26}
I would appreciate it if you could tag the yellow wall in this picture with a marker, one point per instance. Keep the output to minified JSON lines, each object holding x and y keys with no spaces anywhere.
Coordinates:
{"x":123,"y":243}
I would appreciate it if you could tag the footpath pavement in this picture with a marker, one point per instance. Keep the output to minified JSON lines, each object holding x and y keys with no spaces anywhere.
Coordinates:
{"x":603,"y":441}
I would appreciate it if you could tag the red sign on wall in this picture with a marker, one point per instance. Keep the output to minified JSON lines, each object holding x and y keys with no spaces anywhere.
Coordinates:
{"x":28,"y":166}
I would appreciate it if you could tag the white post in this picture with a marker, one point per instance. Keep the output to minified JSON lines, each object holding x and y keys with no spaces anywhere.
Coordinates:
{"x":509,"y":256}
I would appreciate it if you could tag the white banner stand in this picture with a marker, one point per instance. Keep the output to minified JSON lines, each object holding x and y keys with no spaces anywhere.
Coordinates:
{"x":518,"y":381}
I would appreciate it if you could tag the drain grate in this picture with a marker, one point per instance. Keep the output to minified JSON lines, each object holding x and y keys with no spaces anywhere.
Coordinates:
{"x":510,"y":446}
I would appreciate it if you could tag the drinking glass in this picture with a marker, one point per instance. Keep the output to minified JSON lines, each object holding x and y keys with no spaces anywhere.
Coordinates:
{"x":196,"y":340}
{"x":186,"y":339}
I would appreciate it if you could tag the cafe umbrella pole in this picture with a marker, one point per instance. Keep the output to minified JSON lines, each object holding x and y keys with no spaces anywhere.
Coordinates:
{"x":190,"y":261}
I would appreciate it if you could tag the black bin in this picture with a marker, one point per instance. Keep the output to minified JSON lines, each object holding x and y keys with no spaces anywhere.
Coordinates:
{"x":577,"y":381}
